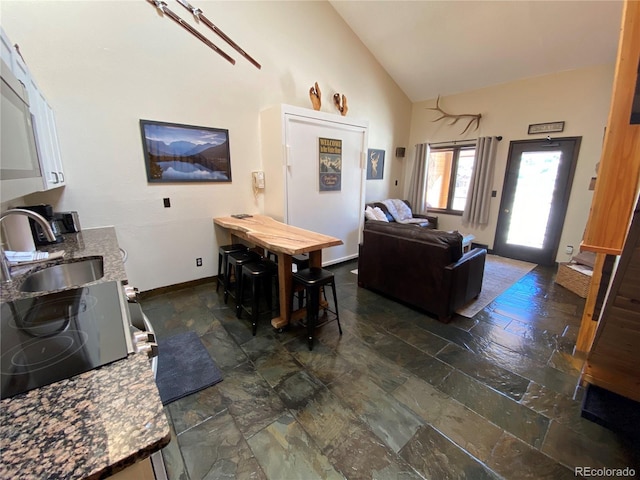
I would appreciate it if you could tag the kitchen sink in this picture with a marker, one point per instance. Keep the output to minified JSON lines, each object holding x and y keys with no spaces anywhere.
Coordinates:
{"x":74,"y":273}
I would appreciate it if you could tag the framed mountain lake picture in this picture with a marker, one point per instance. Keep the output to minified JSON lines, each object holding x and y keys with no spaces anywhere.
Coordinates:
{"x":185,"y":153}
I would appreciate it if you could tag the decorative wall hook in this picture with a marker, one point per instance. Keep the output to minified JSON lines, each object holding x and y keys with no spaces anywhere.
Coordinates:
{"x":315,"y":96}
{"x":340,"y":105}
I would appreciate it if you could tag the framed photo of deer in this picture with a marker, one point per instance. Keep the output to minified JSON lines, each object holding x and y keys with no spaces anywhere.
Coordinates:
{"x":375,"y":164}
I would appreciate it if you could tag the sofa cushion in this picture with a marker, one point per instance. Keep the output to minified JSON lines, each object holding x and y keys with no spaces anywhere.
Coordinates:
{"x":452,"y":240}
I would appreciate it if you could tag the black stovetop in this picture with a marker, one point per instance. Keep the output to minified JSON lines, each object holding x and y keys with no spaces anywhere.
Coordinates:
{"x":56,"y":336}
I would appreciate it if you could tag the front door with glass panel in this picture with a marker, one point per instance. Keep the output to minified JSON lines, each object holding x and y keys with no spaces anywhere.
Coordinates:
{"x":535,"y":197}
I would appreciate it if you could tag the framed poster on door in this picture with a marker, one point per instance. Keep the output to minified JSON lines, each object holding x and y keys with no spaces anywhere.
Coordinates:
{"x":330,"y":171}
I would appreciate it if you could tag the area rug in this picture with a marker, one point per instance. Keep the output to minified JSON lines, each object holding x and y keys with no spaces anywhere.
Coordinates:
{"x":500,"y":273}
{"x":184,"y":367}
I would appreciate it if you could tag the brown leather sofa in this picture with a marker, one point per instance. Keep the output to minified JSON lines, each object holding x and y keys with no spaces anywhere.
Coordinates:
{"x":421,"y":267}
{"x":431,"y":221}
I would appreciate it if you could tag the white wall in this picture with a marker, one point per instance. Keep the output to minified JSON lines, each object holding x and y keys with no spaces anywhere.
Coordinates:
{"x":104,"y":65}
{"x":580,"y":98}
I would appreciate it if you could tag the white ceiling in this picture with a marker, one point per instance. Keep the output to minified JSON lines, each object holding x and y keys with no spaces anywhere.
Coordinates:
{"x":433,"y":48}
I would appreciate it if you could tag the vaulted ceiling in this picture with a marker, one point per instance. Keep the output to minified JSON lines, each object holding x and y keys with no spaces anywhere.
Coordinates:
{"x":435,"y":48}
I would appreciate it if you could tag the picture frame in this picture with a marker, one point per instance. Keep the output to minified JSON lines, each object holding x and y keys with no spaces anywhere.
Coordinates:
{"x":375,"y":164}
{"x":330,"y":164}
{"x":175,"y":152}
{"x":550,"y":127}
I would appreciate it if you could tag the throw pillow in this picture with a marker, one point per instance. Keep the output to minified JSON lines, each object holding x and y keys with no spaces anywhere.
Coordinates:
{"x":368,"y":213}
{"x":379,"y":214}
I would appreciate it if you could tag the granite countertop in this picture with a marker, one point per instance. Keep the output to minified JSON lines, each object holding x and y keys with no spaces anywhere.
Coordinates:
{"x":88,"y":426}
{"x":77,"y":246}
{"x":91,"y":425}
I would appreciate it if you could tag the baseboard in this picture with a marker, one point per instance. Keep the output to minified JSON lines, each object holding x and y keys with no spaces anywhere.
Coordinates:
{"x":201,"y":281}
{"x":178,"y":286}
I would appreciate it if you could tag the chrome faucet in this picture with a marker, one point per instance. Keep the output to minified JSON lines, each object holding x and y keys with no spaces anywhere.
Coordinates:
{"x":46,"y":227}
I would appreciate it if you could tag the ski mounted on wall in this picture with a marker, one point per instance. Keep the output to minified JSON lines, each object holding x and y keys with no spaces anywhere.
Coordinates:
{"x":200,"y":16}
{"x":162,"y":6}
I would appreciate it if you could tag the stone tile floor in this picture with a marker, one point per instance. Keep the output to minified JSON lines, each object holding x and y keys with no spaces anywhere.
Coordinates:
{"x":399,"y":395}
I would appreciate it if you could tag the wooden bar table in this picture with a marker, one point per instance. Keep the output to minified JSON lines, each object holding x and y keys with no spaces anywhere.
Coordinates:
{"x":285,"y":241}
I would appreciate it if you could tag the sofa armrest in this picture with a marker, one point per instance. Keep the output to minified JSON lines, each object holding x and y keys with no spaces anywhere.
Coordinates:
{"x":465,"y":277}
{"x":471,"y":255}
{"x":433,"y":220}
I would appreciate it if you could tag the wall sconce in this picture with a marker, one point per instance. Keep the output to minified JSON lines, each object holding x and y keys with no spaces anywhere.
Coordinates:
{"x":399,"y":152}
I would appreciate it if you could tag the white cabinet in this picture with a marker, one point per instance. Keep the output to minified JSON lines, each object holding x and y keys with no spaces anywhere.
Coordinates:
{"x":46,"y":139}
{"x":19,"y":166}
{"x":6,"y":49}
{"x":290,"y":138}
{"x":43,"y":119}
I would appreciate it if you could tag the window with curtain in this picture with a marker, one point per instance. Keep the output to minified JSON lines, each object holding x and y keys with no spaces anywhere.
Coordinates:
{"x":449,"y":177}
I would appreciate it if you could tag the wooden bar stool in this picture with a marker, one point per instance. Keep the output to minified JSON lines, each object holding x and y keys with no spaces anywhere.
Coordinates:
{"x":235,"y":261}
{"x":255,"y":275}
{"x":312,"y":280}
{"x":223,"y":253}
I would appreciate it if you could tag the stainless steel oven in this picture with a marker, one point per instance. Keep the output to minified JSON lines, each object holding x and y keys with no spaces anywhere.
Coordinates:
{"x":144,"y":332}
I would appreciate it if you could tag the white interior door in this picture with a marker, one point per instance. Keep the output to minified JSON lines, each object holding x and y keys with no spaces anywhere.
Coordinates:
{"x":336,"y":212}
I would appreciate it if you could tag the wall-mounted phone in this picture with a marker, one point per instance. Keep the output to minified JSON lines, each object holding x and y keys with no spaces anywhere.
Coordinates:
{"x":257,"y":180}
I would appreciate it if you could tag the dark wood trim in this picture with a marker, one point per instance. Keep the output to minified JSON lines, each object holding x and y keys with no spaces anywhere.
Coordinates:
{"x":178,"y":286}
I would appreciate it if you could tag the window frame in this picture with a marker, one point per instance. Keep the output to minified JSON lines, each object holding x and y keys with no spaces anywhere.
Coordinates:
{"x":454,"y":175}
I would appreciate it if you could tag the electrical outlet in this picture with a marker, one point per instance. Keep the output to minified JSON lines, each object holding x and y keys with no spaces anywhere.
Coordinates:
{"x":569,"y":249}
{"x":198,"y":262}
{"x":167,"y":202}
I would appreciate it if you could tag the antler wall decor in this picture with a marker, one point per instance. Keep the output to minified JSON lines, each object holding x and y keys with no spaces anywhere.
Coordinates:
{"x":314,"y":95}
{"x":341,"y":106}
{"x":473,"y":118}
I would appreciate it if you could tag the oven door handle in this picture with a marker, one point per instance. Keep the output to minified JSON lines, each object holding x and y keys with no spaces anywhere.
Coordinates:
{"x":149,"y":329}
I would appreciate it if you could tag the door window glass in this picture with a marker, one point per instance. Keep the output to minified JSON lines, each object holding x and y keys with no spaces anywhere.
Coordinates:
{"x":533,"y":198}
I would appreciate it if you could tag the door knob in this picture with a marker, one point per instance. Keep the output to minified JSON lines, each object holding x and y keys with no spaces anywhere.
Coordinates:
{"x":506,"y":210}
